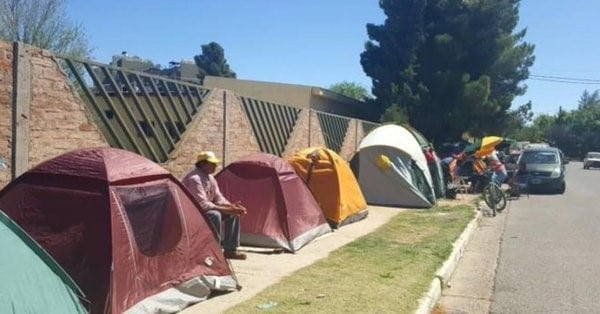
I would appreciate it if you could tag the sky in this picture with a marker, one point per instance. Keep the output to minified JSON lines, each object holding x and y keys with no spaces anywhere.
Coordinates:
{"x":318,"y":42}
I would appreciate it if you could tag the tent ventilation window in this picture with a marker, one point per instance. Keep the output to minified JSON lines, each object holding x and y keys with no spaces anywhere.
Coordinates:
{"x":153,"y":216}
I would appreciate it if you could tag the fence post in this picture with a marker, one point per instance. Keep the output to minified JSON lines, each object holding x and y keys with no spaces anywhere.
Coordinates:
{"x":21,"y":101}
{"x":309,"y":125}
{"x":224,"y":128}
{"x":355,"y":135}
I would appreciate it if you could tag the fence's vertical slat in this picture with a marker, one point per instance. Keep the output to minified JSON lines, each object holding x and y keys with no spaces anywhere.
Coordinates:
{"x":155,"y":113}
{"x":147,"y":121}
{"x":113,"y":138}
{"x":131,"y":118}
{"x":172,"y":102}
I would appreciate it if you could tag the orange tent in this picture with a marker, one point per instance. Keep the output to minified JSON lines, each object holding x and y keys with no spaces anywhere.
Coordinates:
{"x":332,"y":183}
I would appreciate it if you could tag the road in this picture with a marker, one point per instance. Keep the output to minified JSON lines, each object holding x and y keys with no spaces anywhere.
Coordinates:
{"x":539,"y":256}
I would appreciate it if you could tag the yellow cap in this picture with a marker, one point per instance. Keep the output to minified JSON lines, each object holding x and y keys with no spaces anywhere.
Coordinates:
{"x":208,"y":156}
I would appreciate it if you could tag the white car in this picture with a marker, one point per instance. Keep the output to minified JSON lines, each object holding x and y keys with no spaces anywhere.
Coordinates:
{"x":592,"y":159}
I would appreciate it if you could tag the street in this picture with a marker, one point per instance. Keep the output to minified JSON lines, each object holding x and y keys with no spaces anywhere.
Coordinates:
{"x":538,"y":256}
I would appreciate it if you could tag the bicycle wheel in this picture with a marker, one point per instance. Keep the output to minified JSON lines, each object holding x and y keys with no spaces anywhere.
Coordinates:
{"x":494,"y":197}
{"x":488,"y":197}
{"x":500,"y":198}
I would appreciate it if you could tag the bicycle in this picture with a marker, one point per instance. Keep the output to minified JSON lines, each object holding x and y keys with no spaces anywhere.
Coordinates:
{"x":493,"y":195}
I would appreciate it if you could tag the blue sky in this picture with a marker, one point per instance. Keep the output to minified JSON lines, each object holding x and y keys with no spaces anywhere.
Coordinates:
{"x":318,"y":43}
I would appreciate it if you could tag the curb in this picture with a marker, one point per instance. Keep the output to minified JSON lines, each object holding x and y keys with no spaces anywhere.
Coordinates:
{"x":442,"y":275}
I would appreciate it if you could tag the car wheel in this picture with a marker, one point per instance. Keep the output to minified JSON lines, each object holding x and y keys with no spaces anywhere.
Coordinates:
{"x":562,"y":188}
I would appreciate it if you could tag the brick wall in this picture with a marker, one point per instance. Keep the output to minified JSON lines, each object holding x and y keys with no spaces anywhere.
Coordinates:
{"x":206,"y":133}
{"x":59,"y":121}
{"x":299,"y":137}
{"x":6,"y":82}
{"x":316,"y":133}
{"x":350,"y":141}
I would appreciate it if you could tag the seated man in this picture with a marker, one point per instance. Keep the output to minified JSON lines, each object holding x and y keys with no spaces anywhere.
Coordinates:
{"x":205,"y":190}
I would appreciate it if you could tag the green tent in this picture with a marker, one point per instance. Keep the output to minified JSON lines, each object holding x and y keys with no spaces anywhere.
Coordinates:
{"x":32,"y":282}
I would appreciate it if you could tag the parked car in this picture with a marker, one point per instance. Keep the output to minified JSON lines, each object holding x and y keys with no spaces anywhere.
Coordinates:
{"x":592,"y":159}
{"x":544,"y":169}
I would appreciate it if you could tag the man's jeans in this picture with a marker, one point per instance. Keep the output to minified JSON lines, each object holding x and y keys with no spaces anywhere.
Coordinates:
{"x":499,"y":177}
{"x":229,"y":231}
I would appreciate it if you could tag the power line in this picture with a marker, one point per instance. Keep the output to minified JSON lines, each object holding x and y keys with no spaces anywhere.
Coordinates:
{"x":564,"y":79}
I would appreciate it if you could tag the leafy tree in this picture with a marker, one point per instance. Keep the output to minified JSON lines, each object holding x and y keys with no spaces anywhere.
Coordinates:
{"x":44,"y":24}
{"x":350,"y":89}
{"x":212,"y":62}
{"x":454,"y":66}
{"x":588,"y":100}
{"x":395,"y":114}
{"x":517,"y":120}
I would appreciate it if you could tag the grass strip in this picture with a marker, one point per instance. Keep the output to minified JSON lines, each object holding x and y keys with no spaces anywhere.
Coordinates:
{"x":386,"y":271}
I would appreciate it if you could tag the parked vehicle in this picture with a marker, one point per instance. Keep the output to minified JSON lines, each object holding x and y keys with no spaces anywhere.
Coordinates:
{"x":544,"y":169}
{"x":592,"y":159}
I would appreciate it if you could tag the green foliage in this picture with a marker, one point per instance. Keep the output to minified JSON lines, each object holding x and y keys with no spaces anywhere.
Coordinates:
{"x":44,"y":24}
{"x":395,"y":114}
{"x":350,"y":89}
{"x":588,"y":100}
{"x":517,"y":121}
{"x":212,"y":62}
{"x":575,"y":132}
{"x":454,"y":66}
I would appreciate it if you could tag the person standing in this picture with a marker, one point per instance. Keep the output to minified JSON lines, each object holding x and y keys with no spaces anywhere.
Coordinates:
{"x":224,"y":215}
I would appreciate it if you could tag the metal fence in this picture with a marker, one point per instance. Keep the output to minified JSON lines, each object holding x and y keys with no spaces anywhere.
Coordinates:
{"x":136,"y":111}
{"x":148,"y":114}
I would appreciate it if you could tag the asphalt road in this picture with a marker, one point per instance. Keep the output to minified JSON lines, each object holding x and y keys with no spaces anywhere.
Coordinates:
{"x":549,"y":258}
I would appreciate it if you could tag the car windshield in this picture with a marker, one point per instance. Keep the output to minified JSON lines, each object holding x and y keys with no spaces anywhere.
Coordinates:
{"x":539,"y":158}
{"x":593,"y":155}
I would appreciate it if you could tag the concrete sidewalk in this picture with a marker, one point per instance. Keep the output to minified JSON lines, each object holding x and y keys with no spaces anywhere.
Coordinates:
{"x":262,"y":270}
{"x":470,"y":288}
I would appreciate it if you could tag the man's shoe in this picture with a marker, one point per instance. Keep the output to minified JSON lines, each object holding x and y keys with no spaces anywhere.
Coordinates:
{"x":234,"y":255}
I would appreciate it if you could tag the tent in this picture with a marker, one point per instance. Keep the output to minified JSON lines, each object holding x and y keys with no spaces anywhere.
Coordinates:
{"x":32,"y":282}
{"x":332,"y":183}
{"x":392,"y":170}
{"x":434,"y":163}
{"x":123,"y":228}
{"x":281,"y":211}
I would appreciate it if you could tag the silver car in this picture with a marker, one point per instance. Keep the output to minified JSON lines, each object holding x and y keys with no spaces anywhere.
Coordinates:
{"x":592,"y":159}
{"x":543,"y":169}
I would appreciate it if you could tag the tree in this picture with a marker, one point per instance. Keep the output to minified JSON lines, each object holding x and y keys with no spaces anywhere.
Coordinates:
{"x":42,"y":23}
{"x":454,"y":65}
{"x":588,"y":100}
{"x":517,"y":120}
{"x":212,"y":62}
{"x":395,"y":114}
{"x":350,"y":89}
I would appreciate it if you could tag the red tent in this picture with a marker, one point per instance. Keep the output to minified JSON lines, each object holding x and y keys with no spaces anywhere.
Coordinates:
{"x":282,"y":213}
{"x":125,"y":229}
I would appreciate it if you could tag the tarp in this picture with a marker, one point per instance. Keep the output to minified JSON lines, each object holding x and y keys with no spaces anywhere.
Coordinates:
{"x":392,"y":170}
{"x":332,"y":183}
{"x":123,"y":228}
{"x":281,"y":211}
{"x":32,"y":282}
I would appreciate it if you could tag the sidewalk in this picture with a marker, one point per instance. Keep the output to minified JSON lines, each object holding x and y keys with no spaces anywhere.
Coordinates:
{"x":262,"y":270}
{"x":470,"y":288}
